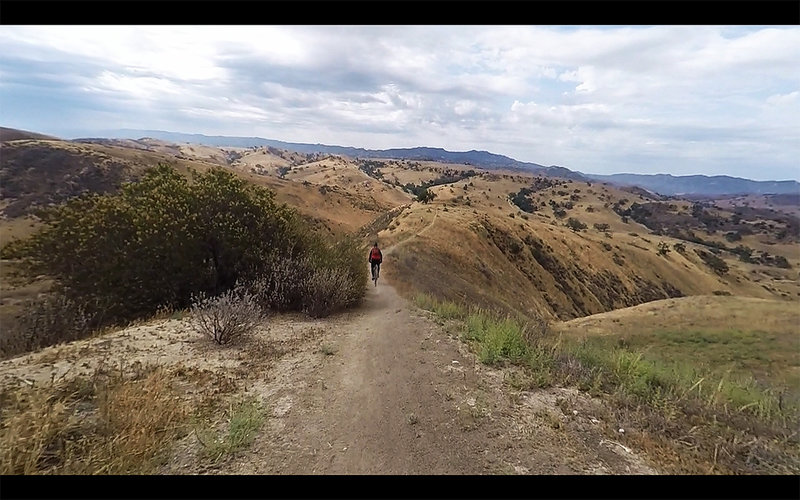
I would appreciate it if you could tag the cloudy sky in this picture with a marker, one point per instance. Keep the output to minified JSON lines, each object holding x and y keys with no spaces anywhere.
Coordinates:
{"x":711,"y":100}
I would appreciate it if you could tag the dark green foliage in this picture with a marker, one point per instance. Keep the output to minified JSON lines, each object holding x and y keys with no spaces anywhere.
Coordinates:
{"x":680,"y":248}
{"x":663,"y":248}
{"x":782,"y":262}
{"x":639,"y":213}
{"x":167,"y":237}
{"x":744,"y":253}
{"x":521,"y":200}
{"x":575,"y":225}
{"x":733,"y":236}
{"x":425,"y":196}
{"x":715,"y":263}
{"x":370,"y":167}
{"x":602,"y":227}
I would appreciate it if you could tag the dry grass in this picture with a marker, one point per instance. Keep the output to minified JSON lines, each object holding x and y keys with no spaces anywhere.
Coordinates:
{"x":110,"y":423}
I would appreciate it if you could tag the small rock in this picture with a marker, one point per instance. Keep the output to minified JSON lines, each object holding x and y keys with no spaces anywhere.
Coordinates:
{"x":456,"y":362}
{"x":344,"y":449}
{"x":574,"y":412}
{"x":595,"y":421}
{"x":622,"y":431}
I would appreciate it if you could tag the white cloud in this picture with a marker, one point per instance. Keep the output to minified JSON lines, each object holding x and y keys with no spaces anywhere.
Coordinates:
{"x":783,"y":99}
{"x":586,"y":97}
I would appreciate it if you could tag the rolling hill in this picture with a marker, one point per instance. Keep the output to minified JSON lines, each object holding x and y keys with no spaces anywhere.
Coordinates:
{"x":637,"y":280}
{"x":664,"y":184}
{"x":516,"y":241}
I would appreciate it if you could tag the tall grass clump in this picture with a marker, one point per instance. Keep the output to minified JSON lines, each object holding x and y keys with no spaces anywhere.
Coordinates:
{"x":243,"y":419}
{"x":445,"y":309}
{"x":106,"y":423}
{"x":496,"y":338}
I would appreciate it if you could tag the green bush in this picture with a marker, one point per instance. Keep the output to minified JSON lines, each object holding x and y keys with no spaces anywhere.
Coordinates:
{"x":575,"y":225}
{"x":425,"y":196}
{"x":167,"y":237}
{"x":715,"y":263}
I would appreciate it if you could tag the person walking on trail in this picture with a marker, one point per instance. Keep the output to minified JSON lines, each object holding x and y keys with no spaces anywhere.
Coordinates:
{"x":375,"y":259}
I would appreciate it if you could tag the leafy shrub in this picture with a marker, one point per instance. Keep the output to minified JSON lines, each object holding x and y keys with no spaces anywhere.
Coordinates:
{"x":733,"y":236}
{"x":782,"y":262}
{"x":425,"y":195}
{"x":162,"y":239}
{"x":575,"y":225}
{"x":228,"y":317}
{"x":167,"y":238}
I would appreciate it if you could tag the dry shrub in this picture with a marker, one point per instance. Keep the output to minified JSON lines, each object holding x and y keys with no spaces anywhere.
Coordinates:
{"x":104,"y":424}
{"x":281,"y":288}
{"x":44,"y":321}
{"x":331,"y":279}
{"x":228,"y":317}
{"x":325,"y":291}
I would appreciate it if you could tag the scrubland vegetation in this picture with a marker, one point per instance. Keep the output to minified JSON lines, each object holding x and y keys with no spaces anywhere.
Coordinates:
{"x":173,"y":242}
{"x":697,"y":417}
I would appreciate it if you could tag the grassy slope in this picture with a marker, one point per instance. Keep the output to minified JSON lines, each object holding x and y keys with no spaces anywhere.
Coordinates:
{"x":469,"y":254}
{"x":710,"y":333}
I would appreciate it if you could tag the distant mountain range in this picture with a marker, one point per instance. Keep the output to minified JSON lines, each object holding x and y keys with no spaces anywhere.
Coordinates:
{"x":482,"y":159}
{"x":670,"y":185}
{"x":663,"y":184}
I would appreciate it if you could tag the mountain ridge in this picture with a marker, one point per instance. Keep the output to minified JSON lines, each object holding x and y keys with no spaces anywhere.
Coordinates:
{"x":672,"y":185}
{"x":663,"y":184}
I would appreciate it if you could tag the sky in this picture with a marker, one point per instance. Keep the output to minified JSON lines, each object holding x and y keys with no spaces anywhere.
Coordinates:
{"x":680,"y":100}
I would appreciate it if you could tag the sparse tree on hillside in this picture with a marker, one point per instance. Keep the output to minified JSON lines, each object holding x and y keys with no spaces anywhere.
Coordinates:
{"x":425,"y":196}
{"x":663,"y":248}
{"x":715,"y":263}
{"x":575,"y":225}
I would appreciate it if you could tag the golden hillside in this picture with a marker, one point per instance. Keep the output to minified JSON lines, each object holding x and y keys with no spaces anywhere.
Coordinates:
{"x":472,"y":243}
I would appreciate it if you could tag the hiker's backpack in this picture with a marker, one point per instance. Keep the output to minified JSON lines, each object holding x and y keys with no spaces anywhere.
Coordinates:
{"x":375,"y":255}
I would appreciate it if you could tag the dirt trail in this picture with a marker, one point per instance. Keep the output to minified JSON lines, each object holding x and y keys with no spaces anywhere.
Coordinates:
{"x":400,"y":396}
{"x":382,"y":389}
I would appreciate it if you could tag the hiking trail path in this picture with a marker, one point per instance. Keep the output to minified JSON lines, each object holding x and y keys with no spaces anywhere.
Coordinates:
{"x":385,"y":388}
